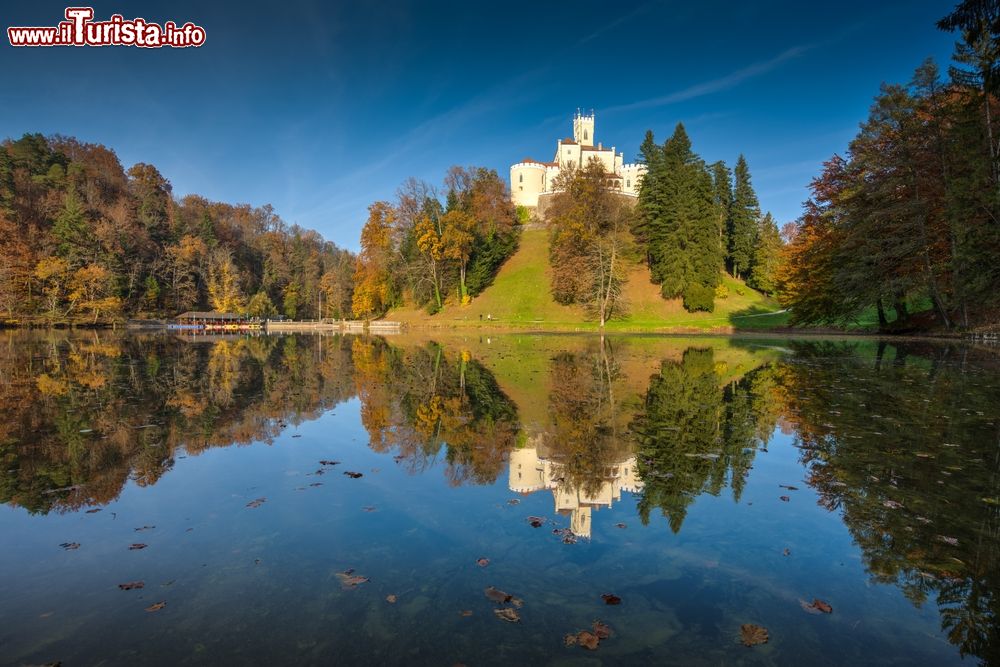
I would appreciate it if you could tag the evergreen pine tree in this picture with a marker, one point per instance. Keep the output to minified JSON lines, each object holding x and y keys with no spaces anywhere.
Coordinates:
{"x":766,"y":257}
{"x":703,"y":243}
{"x":744,"y":219}
{"x":648,"y":207}
{"x":722,"y":198}
{"x":70,"y":229}
{"x":670,"y":263}
{"x":679,"y":223}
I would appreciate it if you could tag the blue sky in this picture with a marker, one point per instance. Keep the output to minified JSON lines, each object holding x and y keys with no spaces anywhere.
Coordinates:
{"x":321,"y":108}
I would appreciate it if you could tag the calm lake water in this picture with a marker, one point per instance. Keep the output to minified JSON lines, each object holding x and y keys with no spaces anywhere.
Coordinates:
{"x":707,"y":483}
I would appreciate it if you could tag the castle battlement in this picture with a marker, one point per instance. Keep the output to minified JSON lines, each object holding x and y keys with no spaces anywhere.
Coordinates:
{"x":530,"y":179}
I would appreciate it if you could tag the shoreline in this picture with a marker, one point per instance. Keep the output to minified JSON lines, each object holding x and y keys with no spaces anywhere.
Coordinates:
{"x":498,"y":328}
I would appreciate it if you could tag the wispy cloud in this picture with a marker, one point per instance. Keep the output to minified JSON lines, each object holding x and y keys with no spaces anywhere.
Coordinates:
{"x":716,"y":85}
{"x":624,"y":18}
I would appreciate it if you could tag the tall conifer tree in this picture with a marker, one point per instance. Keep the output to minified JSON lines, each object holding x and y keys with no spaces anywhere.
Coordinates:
{"x":679,"y":223}
{"x":744,"y":219}
{"x":722,"y":198}
{"x":767,"y":252}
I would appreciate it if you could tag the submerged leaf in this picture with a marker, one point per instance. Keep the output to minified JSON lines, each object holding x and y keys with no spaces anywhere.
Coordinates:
{"x":751,"y":634}
{"x":536,"y":521}
{"x":465,"y":612}
{"x":257,"y":502}
{"x":483,"y":562}
{"x":93,"y":511}
{"x":157,"y":607}
{"x":587,"y":640}
{"x":132,"y":585}
{"x":327,"y":462}
{"x":144,"y":528}
{"x":507,"y":614}
{"x":353,"y":475}
{"x":784,"y":498}
{"x":611,"y":599}
{"x":602,"y":630}
{"x":497,"y":595}
{"x":391,"y":599}
{"x":137,"y":546}
{"x":70,"y":546}
{"x":350,"y":580}
{"x":817,"y":606}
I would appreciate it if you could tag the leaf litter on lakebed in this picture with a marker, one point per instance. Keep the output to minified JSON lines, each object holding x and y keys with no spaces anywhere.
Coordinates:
{"x":350,"y":580}
{"x":752,"y":635}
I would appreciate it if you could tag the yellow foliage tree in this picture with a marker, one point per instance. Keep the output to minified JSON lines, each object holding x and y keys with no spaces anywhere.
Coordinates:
{"x":224,"y":283}
{"x":53,"y":273}
{"x":372,"y":279}
{"x":91,"y":289}
{"x":457,"y":240}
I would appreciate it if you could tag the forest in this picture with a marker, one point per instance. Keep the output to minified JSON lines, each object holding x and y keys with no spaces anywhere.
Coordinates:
{"x":83,"y":241}
{"x":419,"y":250}
{"x":908,"y":218}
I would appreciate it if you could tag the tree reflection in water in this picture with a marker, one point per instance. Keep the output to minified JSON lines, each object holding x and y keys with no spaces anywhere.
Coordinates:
{"x":902,"y":440}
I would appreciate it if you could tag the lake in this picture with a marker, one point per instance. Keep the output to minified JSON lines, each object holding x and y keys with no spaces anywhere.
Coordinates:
{"x":513,"y":499}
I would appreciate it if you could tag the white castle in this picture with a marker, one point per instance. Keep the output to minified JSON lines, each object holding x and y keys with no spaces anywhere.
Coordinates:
{"x":531,"y":180}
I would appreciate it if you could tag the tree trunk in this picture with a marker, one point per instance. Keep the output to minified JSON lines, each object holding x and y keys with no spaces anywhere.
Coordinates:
{"x":882,"y":321}
{"x":899,"y":305}
{"x":437,"y":288}
{"x":609,"y":279}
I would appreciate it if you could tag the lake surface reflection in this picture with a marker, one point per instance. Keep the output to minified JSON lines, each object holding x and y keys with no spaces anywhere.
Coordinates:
{"x":359,"y":500}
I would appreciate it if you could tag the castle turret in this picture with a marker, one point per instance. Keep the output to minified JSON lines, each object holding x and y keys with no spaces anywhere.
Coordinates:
{"x":527,"y":181}
{"x":583,"y":128}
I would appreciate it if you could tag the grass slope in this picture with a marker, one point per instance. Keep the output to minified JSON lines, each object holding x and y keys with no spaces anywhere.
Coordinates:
{"x":520,"y":297}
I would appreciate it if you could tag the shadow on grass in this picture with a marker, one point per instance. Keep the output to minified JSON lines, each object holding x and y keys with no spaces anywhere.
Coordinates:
{"x":759,"y":316}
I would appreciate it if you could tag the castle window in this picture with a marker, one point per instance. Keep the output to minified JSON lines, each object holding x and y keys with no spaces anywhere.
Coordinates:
{"x":520,"y":178}
{"x":585,"y":135}
{"x":521,"y":188}
{"x":628,"y":184}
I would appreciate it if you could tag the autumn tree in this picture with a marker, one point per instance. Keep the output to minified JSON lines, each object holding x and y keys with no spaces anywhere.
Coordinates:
{"x":53,"y":274}
{"x":590,"y":241}
{"x":373,"y":287}
{"x":260,"y":306}
{"x":224,"y":291}
{"x":458,"y":242}
{"x":91,"y":289}
{"x":430,"y":243}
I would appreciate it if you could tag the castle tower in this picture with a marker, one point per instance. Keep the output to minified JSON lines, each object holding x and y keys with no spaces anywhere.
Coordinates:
{"x":583,"y":128}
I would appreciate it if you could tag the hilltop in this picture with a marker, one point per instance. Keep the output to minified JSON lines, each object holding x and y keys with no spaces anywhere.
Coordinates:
{"x":520,"y":297}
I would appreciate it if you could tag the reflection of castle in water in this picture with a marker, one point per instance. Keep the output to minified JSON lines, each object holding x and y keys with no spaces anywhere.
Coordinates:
{"x":531,"y":470}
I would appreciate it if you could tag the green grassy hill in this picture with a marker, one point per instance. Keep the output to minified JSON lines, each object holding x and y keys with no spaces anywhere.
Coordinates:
{"x":520,"y":297}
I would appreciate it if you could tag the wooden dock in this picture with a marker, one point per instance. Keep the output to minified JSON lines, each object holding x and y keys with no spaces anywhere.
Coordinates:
{"x":341,"y":326}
